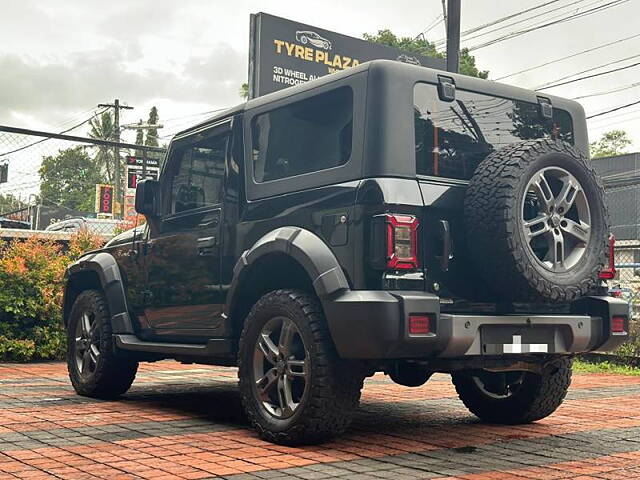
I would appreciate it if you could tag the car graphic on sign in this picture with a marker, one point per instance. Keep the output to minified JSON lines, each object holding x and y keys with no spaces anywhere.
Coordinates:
{"x":307,"y":36}
{"x":408,"y":59}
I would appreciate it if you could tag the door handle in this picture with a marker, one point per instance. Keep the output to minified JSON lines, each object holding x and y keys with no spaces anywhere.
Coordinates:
{"x":210,"y":223}
{"x":205,"y":245}
{"x":207,"y":242}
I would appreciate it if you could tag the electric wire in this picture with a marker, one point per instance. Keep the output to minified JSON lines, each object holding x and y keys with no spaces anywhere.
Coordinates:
{"x":46,"y":139}
{"x":575,"y":16}
{"x":551,"y":62}
{"x":579,"y":79}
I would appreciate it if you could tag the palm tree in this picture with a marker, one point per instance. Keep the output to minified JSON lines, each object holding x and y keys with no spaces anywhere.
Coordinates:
{"x":102,"y":128}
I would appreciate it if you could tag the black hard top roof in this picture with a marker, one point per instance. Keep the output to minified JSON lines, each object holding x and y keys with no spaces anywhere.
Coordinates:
{"x":390,"y":69}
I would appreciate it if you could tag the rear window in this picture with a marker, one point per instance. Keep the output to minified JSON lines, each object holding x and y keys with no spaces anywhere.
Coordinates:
{"x":452,"y":138}
{"x":306,"y":136}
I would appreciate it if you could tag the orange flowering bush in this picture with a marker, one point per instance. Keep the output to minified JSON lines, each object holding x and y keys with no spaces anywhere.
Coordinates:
{"x":31,"y":282}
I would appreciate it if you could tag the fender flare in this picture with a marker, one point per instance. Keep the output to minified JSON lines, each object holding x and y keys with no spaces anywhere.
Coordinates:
{"x":305,"y":247}
{"x":108,"y":272}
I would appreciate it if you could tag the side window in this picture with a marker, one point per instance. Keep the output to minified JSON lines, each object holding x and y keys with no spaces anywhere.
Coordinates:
{"x":198,"y":175}
{"x":306,"y":136}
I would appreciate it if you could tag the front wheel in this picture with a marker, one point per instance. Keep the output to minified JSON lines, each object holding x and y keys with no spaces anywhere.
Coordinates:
{"x":295,"y":390}
{"x":94,"y":367}
{"x":517,"y":396}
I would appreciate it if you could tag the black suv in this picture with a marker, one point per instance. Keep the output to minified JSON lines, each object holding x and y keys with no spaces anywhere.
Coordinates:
{"x":387,"y":218}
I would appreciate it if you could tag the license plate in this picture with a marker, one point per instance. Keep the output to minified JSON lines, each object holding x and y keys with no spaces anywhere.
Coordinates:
{"x":498,"y":340}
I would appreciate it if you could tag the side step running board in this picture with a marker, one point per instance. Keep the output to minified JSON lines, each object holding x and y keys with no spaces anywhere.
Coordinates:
{"x":213,"y":348}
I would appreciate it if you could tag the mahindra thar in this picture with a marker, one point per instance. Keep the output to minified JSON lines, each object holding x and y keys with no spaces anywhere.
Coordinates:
{"x":388,"y":218}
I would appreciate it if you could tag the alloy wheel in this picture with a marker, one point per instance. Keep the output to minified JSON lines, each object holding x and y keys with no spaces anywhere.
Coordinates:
{"x":556,"y":220}
{"x":281,"y":367}
{"x":87,"y":344}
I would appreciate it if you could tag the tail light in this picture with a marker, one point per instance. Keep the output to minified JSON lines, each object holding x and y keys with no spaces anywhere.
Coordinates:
{"x":610,"y":272}
{"x":419,"y":324}
{"x":402,"y":242}
{"x":618,"y":324}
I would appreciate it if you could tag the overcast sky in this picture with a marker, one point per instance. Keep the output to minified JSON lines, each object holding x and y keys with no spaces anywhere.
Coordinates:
{"x":58,"y":59}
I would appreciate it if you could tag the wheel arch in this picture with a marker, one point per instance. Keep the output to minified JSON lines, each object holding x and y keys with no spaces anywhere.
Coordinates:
{"x":98,"y":271}
{"x":292,"y":257}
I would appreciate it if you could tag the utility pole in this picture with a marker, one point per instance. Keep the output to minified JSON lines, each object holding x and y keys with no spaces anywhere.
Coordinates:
{"x":116,"y":138}
{"x":452,"y":20}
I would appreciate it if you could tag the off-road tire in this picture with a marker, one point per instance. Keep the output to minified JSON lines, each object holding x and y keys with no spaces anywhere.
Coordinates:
{"x":492,"y":210}
{"x":114,"y":374}
{"x":539,"y":396}
{"x":335,"y":384}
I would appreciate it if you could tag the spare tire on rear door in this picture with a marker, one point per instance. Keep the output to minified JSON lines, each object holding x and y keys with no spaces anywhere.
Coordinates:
{"x":537,"y":223}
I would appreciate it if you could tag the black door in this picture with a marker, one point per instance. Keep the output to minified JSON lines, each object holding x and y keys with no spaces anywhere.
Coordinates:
{"x":183,"y":254}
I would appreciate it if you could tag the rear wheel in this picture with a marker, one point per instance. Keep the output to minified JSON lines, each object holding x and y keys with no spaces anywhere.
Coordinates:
{"x":294,"y":387}
{"x":94,"y":368}
{"x":517,"y":396}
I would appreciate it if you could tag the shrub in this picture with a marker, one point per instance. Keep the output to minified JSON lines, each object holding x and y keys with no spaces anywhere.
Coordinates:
{"x":31,"y":281}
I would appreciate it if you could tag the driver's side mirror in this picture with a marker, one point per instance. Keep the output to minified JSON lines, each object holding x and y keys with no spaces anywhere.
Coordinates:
{"x":148,"y":197}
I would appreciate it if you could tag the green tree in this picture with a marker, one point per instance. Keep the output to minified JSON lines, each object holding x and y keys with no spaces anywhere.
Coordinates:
{"x":139,"y":138}
{"x":422,"y":46}
{"x":69,"y":179}
{"x":9,"y":203}
{"x":244,"y":91}
{"x":610,"y":144}
{"x":103,"y":128}
{"x":152,"y":133}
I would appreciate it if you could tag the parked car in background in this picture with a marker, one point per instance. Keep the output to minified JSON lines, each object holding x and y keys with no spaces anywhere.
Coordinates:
{"x":100,"y":226}
{"x":9,"y":223}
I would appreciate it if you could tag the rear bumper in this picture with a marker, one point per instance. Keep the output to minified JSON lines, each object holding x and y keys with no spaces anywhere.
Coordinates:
{"x":374,"y":325}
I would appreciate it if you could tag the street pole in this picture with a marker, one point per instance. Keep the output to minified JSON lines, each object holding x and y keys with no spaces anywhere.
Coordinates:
{"x":452,"y":19}
{"x":116,"y":138}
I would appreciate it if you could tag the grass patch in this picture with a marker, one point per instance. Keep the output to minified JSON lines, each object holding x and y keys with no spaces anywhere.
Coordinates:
{"x":580,"y":366}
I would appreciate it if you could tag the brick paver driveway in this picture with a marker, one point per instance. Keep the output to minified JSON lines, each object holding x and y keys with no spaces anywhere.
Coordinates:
{"x":185,"y":421}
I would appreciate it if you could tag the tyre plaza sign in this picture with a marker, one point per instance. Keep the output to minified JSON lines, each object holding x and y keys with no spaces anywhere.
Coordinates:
{"x":285,"y":53}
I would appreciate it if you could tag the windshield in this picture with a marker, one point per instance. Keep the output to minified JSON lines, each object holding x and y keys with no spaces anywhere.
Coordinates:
{"x":452,"y":138}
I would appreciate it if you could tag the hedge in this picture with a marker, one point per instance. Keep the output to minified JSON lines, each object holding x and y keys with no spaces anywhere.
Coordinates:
{"x":31,"y":282}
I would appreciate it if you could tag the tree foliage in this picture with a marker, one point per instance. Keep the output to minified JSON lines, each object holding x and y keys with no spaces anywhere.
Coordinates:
{"x":139,"y":138}
{"x":610,"y":144}
{"x":69,"y":179}
{"x":244,"y":91}
{"x":422,"y":46}
{"x":9,"y":203}
{"x":103,"y":128}
{"x":152,"y":133}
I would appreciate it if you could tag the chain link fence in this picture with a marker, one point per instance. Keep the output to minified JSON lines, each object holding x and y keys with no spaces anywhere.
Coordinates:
{"x":56,"y":184}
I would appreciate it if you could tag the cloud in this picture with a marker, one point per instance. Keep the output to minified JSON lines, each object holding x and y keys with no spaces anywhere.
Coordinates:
{"x":81,"y":80}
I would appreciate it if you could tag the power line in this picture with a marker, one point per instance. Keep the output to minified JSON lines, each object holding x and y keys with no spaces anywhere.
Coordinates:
{"x":508,"y":17}
{"x":590,"y":76}
{"x":613,"y":109}
{"x":587,"y":71}
{"x":466,"y":33}
{"x":551,"y":62}
{"x":607,"y":92}
{"x":623,"y":114}
{"x":517,"y":33}
{"x":433,"y":24}
{"x":59,"y":133}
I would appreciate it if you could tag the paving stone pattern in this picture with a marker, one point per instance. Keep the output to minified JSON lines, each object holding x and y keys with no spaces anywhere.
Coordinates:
{"x":186,"y":422}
